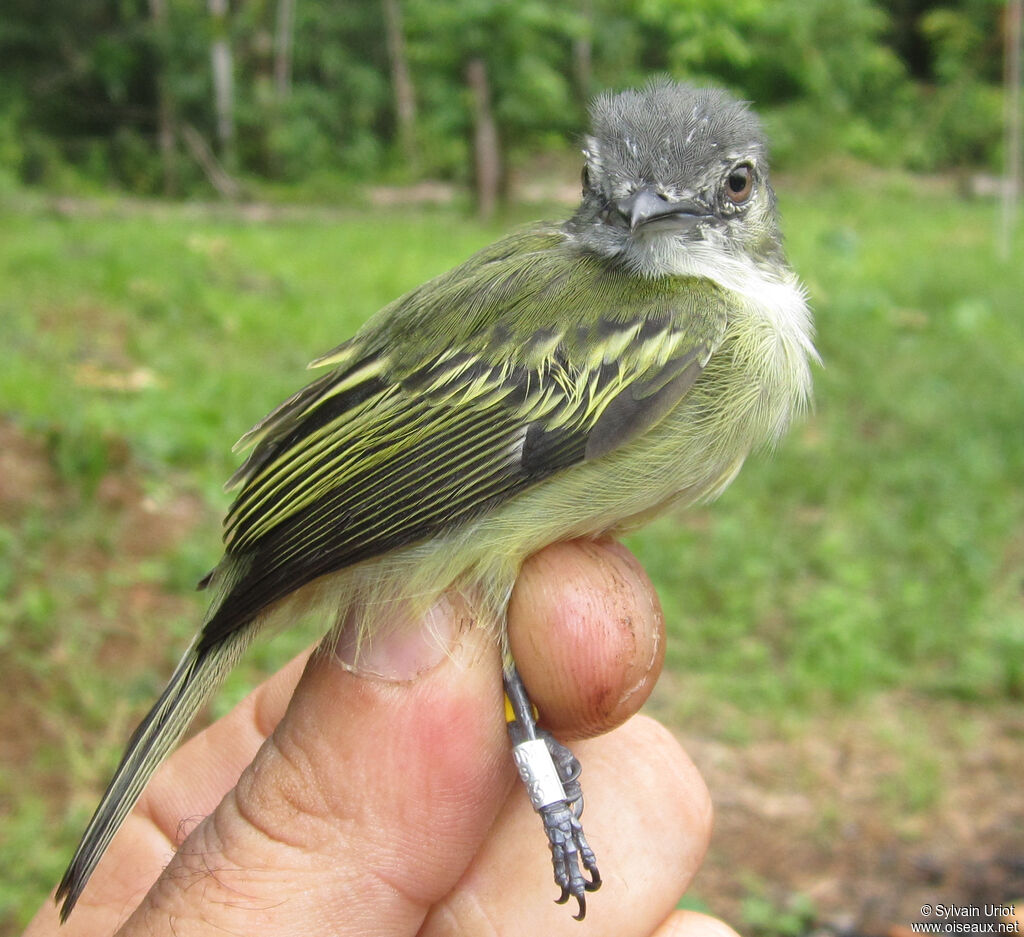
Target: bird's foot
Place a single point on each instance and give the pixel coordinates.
(551, 774)
(571, 855)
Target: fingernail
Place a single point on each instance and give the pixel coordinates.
(405, 647)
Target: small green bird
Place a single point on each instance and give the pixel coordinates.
(568, 381)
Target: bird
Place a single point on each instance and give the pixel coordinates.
(571, 380)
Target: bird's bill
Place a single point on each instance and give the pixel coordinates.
(646, 207)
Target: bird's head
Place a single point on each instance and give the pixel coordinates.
(675, 179)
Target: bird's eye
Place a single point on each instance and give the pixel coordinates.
(585, 177)
(739, 183)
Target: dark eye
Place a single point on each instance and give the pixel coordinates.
(585, 177)
(739, 183)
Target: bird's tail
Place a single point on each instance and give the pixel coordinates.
(198, 674)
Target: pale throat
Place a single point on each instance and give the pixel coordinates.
(771, 288)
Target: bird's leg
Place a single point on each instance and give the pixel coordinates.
(551, 774)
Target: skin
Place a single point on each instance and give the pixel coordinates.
(384, 803)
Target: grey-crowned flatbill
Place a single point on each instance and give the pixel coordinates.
(568, 381)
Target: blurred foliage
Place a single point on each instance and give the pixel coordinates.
(897, 82)
(767, 915)
(527, 49)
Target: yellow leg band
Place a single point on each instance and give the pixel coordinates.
(510, 716)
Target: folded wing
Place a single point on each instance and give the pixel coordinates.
(402, 441)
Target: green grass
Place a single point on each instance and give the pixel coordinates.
(881, 546)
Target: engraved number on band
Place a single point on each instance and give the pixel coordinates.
(538, 772)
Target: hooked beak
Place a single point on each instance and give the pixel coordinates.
(646, 205)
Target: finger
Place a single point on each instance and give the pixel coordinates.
(693, 924)
(362, 809)
(587, 634)
(648, 819)
(195, 778)
(185, 789)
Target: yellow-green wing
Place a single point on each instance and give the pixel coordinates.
(527, 359)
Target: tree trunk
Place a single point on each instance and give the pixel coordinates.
(223, 82)
(582, 53)
(1011, 97)
(284, 42)
(487, 156)
(218, 177)
(164, 105)
(401, 83)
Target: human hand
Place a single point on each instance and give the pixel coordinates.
(338, 803)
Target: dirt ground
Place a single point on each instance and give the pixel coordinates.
(846, 822)
(868, 816)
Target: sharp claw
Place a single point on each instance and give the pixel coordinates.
(564, 897)
(595, 880)
(583, 908)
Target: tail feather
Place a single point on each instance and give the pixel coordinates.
(196, 677)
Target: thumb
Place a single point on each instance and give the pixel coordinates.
(363, 807)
